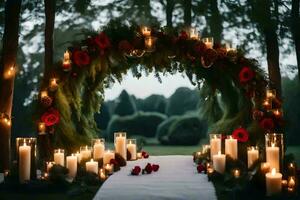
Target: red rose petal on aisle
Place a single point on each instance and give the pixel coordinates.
(136, 170)
(200, 168)
(155, 167)
(148, 169)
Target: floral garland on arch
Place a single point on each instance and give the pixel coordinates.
(76, 84)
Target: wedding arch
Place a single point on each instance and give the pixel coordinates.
(232, 86)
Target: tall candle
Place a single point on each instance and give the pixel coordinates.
(273, 182)
(108, 155)
(120, 144)
(59, 157)
(24, 163)
(131, 147)
(253, 155)
(92, 166)
(78, 155)
(272, 156)
(215, 145)
(72, 165)
(219, 162)
(231, 147)
(98, 150)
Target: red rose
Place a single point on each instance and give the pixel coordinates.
(113, 162)
(200, 168)
(136, 171)
(145, 154)
(240, 134)
(148, 169)
(51, 117)
(81, 58)
(246, 74)
(183, 35)
(267, 123)
(200, 48)
(125, 46)
(155, 167)
(102, 41)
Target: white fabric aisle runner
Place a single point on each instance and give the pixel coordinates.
(176, 179)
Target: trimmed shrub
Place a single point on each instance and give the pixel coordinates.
(125, 105)
(187, 130)
(163, 129)
(183, 100)
(153, 103)
(141, 123)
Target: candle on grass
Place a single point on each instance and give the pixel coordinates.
(72, 165)
(92, 166)
(231, 147)
(253, 155)
(59, 157)
(120, 144)
(273, 182)
(219, 161)
(108, 155)
(131, 147)
(215, 144)
(24, 162)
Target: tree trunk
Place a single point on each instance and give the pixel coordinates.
(49, 29)
(295, 24)
(187, 6)
(8, 60)
(215, 21)
(169, 12)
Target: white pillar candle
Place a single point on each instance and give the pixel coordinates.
(108, 155)
(215, 145)
(273, 182)
(120, 144)
(85, 153)
(132, 149)
(49, 165)
(59, 157)
(92, 166)
(78, 155)
(272, 156)
(219, 161)
(72, 165)
(24, 163)
(98, 151)
(253, 155)
(231, 147)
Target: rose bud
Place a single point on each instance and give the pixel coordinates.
(136, 171)
(200, 168)
(155, 167)
(148, 169)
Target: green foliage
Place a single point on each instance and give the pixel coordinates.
(141, 123)
(291, 94)
(102, 118)
(153, 103)
(187, 130)
(183, 100)
(163, 129)
(125, 105)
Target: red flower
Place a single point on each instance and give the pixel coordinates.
(183, 35)
(155, 167)
(148, 169)
(246, 74)
(125, 46)
(200, 48)
(240, 134)
(51, 117)
(113, 162)
(136, 171)
(267, 123)
(145, 154)
(102, 41)
(81, 58)
(200, 168)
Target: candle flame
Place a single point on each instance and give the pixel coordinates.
(273, 172)
(291, 165)
(272, 144)
(291, 182)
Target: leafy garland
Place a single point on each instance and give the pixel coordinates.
(104, 58)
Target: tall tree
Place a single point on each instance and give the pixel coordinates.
(187, 8)
(215, 21)
(7, 67)
(295, 24)
(169, 12)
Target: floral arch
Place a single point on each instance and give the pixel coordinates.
(76, 85)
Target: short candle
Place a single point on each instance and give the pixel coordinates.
(273, 182)
(215, 144)
(131, 147)
(231, 147)
(253, 155)
(92, 166)
(108, 155)
(72, 165)
(219, 161)
(86, 153)
(98, 148)
(59, 157)
(120, 144)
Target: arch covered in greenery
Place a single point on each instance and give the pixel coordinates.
(232, 86)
